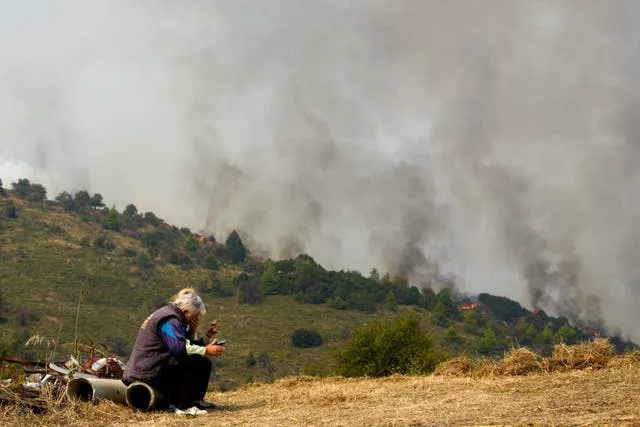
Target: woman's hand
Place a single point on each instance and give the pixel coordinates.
(215, 350)
(193, 326)
(213, 329)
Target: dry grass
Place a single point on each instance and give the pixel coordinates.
(589, 355)
(519, 361)
(578, 385)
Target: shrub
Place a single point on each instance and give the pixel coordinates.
(210, 261)
(10, 210)
(390, 301)
(250, 360)
(129, 252)
(248, 290)
(85, 241)
(102, 241)
(399, 346)
(452, 335)
(488, 343)
(305, 338)
(143, 260)
(113, 221)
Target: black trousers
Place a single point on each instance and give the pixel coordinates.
(184, 380)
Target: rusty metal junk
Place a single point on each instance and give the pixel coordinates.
(95, 376)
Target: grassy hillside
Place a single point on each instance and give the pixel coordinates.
(46, 273)
(71, 259)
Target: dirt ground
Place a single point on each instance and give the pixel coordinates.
(609, 396)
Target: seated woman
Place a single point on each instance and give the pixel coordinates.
(168, 358)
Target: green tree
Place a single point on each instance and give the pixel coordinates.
(151, 219)
(83, 199)
(427, 298)
(269, 278)
(444, 304)
(210, 261)
(67, 201)
(113, 221)
(381, 349)
(374, 275)
(21, 188)
(531, 331)
(390, 301)
(130, 210)
(36, 193)
(440, 314)
(96, 201)
(235, 248)
(544, 337)
(470, 321)
(3, 192)
(566, 334)
(10, 211)
(488, 343)
(191, 244)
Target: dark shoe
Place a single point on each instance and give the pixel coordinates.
(204, 405)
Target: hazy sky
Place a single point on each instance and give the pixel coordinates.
(495, 140)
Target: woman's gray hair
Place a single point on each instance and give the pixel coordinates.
(191, 302)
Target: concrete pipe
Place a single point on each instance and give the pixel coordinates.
(90, 389)
(144, 397)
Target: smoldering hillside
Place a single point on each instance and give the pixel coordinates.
(493, 141)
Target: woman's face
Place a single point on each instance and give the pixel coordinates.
(191, 317)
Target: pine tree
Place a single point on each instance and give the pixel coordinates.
(235, 248)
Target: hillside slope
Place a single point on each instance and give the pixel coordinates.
(48, 277)
(71, 259)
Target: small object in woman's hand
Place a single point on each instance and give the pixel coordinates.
(213, 328)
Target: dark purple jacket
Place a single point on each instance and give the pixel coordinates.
(149, 352)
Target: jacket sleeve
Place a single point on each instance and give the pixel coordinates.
(173, 335)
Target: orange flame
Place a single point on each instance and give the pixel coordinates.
(467, 306)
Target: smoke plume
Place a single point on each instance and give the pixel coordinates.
(494, 141)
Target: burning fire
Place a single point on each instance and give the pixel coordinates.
(537, 310)
(467, 306)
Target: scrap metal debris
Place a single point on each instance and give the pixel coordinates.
(91, 363)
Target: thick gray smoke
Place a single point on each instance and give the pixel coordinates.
(495, 141)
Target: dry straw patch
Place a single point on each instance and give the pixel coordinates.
(589, 355)
(460, 366)
(519, 361)
(625, 361)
